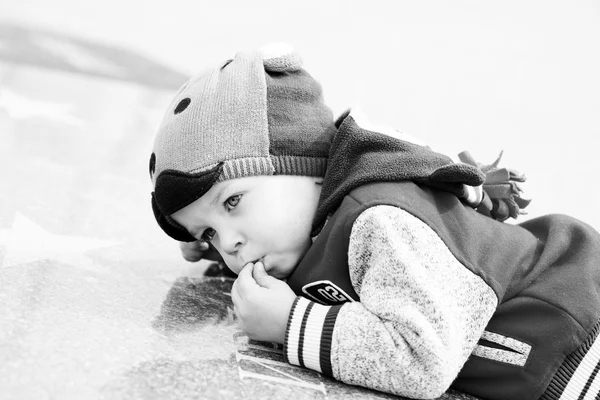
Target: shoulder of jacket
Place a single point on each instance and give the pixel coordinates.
(372, 194)
(389, 193)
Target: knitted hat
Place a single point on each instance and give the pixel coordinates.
(258, 114)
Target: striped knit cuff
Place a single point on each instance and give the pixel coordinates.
(308, 335)
(298, 165)
(579, 375)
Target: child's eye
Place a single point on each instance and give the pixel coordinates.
(233, 201)
(208, 235)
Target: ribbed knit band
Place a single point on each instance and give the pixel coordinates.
(249, 166)
(295, 165)
(309, 335)
(274, 165)
(578, 377)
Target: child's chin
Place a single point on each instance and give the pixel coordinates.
(277, 274)
(281, 267)
(281, 273)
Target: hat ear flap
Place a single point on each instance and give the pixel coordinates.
(175, 189)
(170, 227)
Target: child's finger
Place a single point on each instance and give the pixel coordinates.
(245, 281)
(235, 294)
(191, 253)
(210, 253)
(188, 245)
(260, 275)
(198, 250)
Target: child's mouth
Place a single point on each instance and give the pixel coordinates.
(261, 260)
(269, 269)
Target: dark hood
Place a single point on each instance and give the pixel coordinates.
(359, 156)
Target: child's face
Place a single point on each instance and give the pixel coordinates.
(267, 218)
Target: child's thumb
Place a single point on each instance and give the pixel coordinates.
(261, 277)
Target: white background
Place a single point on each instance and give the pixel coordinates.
(518, 76)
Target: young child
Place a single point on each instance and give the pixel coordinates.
(369, 257)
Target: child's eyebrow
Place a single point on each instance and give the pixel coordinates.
(217, 196)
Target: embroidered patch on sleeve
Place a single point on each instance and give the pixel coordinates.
(503, 349)
(326, 292)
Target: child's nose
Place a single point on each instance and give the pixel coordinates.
(231, 241)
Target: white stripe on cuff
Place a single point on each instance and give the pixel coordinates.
(312, 337)
(594, 389)
(294, 330)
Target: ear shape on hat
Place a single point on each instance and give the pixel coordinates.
(169, 226)
(175, 189)
(280, 57)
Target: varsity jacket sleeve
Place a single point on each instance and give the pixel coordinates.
(420, 315)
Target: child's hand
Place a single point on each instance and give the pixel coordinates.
(198, 250)
(262, 303)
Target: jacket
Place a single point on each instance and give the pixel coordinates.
(408, 290)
